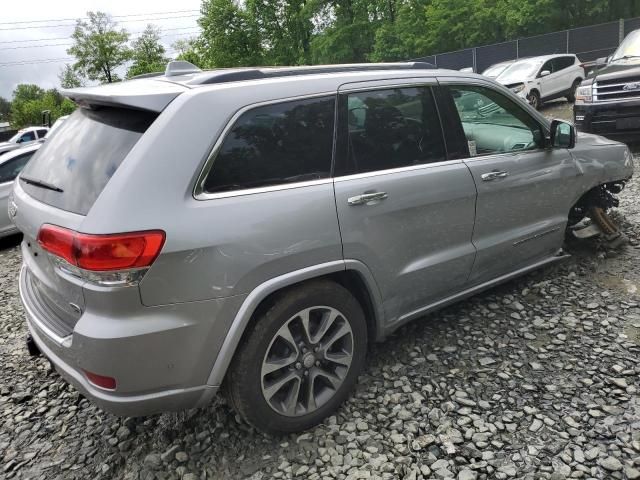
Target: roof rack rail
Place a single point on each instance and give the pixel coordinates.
(236, 75)
(147, 75)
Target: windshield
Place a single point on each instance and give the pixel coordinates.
(519, 71)
(15, 138)
(630, 47)
(495, 70)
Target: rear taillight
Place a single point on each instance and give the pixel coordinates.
(102, 253)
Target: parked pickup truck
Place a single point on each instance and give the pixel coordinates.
(608, 101)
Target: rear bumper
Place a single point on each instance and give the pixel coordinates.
(130, 405)
(160, 358)
(618, 120)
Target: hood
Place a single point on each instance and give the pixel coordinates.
(6, 146)
(615, 70)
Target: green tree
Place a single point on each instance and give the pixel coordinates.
(190, 50)
(147, 53)
(229, 35)
(69, 77)
(29, 101)
(284, 27)
(99, 47)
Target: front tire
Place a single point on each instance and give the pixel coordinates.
(301, 359)
(534, 99)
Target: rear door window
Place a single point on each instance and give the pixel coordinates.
(388, 128)
(275, 144)
(83, 155)
(42, 132)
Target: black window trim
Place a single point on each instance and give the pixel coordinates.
(432, 84)
(198, 191)
(544, 127)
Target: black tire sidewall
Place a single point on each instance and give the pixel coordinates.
(245, 380)
(534, 95)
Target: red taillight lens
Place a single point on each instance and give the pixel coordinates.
(101, 253)
(101, 381)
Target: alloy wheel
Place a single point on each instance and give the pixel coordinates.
(307, 361)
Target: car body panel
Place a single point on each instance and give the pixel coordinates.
(170, 339)
(6, 221)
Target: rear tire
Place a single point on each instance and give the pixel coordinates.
(301, 359)
(571, 98)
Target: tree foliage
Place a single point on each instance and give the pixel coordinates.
(29, 101)
(70, 78)
(278, 32)
(147, 53)
(99, 47)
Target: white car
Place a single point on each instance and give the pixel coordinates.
(496, 69)
(11, 164)
(539, 79)
(24, 137)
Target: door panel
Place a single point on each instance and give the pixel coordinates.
(524, 190)
(416, 241)
(520, 217)
(404, 209)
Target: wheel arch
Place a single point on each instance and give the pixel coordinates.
(351, 274)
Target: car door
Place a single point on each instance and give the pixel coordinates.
(405, 208)
(524, 189)
(549, 85)
(27, 137)
(9, 170)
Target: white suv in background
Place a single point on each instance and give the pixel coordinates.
(539, 79)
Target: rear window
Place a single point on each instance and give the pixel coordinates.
(83, 155)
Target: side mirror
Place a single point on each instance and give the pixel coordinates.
(563, 134)
(544, 73)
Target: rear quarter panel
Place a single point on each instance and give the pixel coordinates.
(219, 247)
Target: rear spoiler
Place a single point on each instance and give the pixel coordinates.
(143, 94)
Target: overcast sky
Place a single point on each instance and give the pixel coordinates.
(32, 25)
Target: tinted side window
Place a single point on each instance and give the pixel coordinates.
(385, 129)
(492, 123)
(11, 168)
(276, 144)
(42, 133)
(561, 63)
(27, 137)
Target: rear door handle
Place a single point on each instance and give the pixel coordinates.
(366, 198)
(488, 177)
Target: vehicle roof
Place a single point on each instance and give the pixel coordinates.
(545, 57)
(30, 129)
(154, 92)
(19, 151)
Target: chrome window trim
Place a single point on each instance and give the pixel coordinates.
(391, 171)
(198, 192)
(413, 82)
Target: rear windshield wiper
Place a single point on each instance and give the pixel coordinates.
(40, 183)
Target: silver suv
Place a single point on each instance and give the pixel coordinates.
(259, 228)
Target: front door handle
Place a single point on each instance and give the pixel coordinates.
(495, 174)
(366, 198)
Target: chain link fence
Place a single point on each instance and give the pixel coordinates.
(588, 43)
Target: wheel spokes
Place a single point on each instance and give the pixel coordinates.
(277, 385)
(307, 361)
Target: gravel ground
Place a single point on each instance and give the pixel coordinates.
(535, 379)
